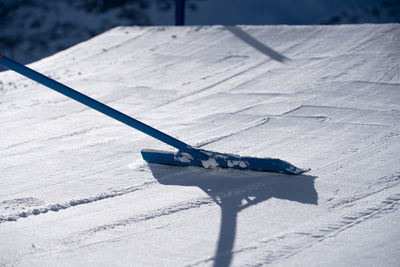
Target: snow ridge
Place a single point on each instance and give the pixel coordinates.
(75, 202)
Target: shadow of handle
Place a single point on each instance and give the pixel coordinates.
(250, 40)
(227, 234)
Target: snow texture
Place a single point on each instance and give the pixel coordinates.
(75, 191)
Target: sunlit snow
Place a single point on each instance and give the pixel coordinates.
(75, 191)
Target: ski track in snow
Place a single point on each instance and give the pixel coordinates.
(284, 246)
(79, 239)
(272, 249)
(368, 151)
(268, 251)
(390, 204)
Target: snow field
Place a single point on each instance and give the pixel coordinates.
(76, 192)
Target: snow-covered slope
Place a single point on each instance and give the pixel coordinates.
(34, 29)
(75, 191)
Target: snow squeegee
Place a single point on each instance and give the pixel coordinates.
(186, 154)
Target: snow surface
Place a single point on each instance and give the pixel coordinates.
(75, 191)
(34, 29)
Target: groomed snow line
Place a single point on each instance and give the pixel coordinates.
(76, 192)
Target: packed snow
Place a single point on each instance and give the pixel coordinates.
(75, 190)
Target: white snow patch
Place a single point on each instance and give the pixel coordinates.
(210, 163)
(184, 157)
(240, 163)
(139, 165)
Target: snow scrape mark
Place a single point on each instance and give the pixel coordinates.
(28, 202)
(167, 210)
(219, 138)
(75, 202)
(142, 217)
(286, 245)
(18, 206)
(383, 183)
(389, 204)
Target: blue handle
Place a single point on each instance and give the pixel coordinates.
(94, 104)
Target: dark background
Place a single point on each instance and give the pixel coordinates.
(33, 29)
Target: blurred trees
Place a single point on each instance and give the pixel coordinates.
(382, 11)
(32, 29)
